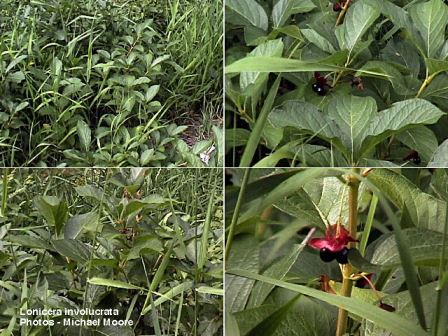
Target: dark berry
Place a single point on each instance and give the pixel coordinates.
(413, 157)
(337, 7)
(326, 255)
(387, 307)
(321, 91)
(416, 159)
(342, 256)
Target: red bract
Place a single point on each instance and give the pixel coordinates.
(335, 239)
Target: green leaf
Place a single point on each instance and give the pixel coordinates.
(16, 77)
(93, 192)
(278, 270)
(144, 245)
(77, 223)
(303, 6)
(149, 202)
(358, 19)
(236, 137)
(424, 246)
(396, 14)
(271, 48)
(30, 241)
(243, 253)
(353, 116)
(425, 210)
(407, 263)
(169, 295)
(141, 80)
(231, 326)
(113, 283)
(115, 331)
(392, 322)
(282, 190)
(246, 11)
(256, 188)
(435, 66)
(157, 279)
(151, 92)
(73, 249)
(390, 73)
(53, 209)
(277, 64)
(421, 139)
(255, 136)
(210, 290)
(84, 133)
(318, 40)
(301, 206)
(282, 10)
(401, 116)
(305, 116)
(404, 307)
(440, 156)
(430, 20)
(269, 325)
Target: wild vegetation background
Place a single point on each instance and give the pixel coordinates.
(147, 242)
(110, 82)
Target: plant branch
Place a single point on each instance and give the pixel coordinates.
(261, 226)
(424, 85)
(342, 13)
(347, 269)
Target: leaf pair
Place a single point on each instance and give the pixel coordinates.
(352, 123)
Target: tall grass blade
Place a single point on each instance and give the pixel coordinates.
(396, 324)
(409, 268)
(255, 135)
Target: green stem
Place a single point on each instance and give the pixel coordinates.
(347, 269)
(426, 82)
(236, 212)
(261, 226)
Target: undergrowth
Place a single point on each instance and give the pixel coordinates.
(107, 83)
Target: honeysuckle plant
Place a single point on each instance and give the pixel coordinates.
(110, 83)
(334, 251)
(336, 83)
(146, 243)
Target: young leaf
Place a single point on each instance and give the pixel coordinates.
(358, 19)
(84, 133)
(246, 12)
(430, 21)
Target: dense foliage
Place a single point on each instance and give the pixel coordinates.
(289, 267)
(110, 83)
(336, 83)
(147, 242)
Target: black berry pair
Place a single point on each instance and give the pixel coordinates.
(321, 86)
(413, 156)
(341, 256)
